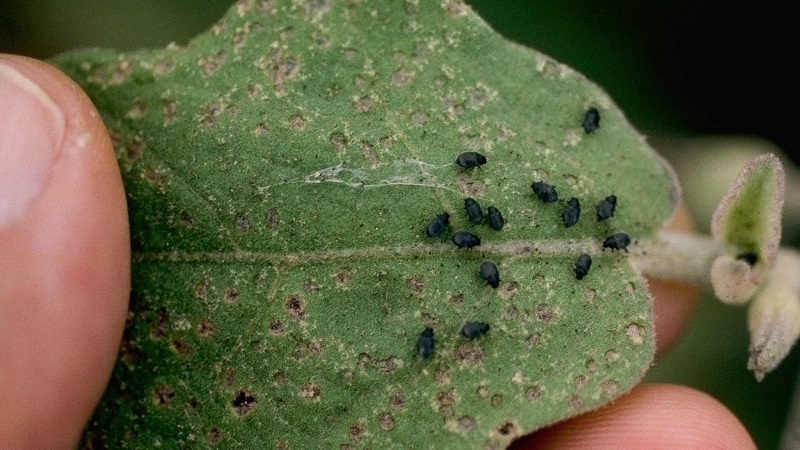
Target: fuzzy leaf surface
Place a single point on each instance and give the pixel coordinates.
(280, 173)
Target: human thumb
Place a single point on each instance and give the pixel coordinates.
(64, 256)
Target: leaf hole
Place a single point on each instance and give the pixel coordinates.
(163, 395)
(243, 403)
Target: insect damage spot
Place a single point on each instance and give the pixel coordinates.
(214, 436)
(231, 295)
(415, 285)
(496, 400)
(338, 141)
(635, 333)
(180, 347)
(357, 432)
(509, 290)
(275, 327)
(397, 401)
(158, 329)
(243, 403)
(402, 77)
(343, 276)
(483, 391)
(610, 387)
(279, 67)
(311, 391)
(445, 398)
(544, 313)
(386, 421)
(533, 340)
(533, 394)
(575, 402)
(592, 365)
(205, 328)
(163, 67)
(296, 306)
(468, 186)
(580, 382)
(242, 223)
(455, 8)
(368, 152)
(363, 104)
(260, 130)
(138, 110)
(388, 365)
(589, 295)
(469, 352)
(612, 356)
(163, 395)
(210, 64)
(507, 430)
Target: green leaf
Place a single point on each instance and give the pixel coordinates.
(748, 219)
(280, 172)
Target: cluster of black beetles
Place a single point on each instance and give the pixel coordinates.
(488, 270)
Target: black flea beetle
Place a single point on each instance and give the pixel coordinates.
(496, 220)
(425, 343)
(591, 120)
(546, 192)
(582, 265)
(605, 209)
(474, 211)
(572, 212)
(436, 226)
(618, 241)
(489, 273)
(468, 160)
(474, 330)
(465, 239)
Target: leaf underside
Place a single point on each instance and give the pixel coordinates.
(280, 171)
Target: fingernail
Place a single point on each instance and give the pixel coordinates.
(31, 129)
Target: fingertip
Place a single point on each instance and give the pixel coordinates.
(64, 261)
(653, 416)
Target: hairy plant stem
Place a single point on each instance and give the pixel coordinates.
(678, 256)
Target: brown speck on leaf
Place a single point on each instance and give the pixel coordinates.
(315, 349)
(357, 432)
(163, 67)
(296, 306)
(368, 152)
(402, 77)
(610, 387)
(154, 177)
(338, 141)
(254, 91)
(279, 67)
(210, 64)
(180, 347)
(343, 276)
(457, 300)
(575, 402)
(212, 111)
(446, 412)
(364, 361)
(242, 222)
(418, 118)
(442, 376)
(455, 8)
(214, 436)
(533, 393)
(138, 110)
(592, 365)
(635, 333)
(533, 340)
(163, 395)
(483, 391)
(397, 401)
(466, 424)
(612, 356)
(275, 327)
(159, 327)
(580, 382)
(273, 219)
(589, 295)
(387, 142)
(168, 110)
(298, 123)
(544, 313)
(469, 352)
(429, 320)
(415, 285)
(311, 391)
(231, 295)
(243, 402)
(122, 71)
(508, 290)
(511, 313)
(201, 290)
(260, 130)
(496, 400)
(229, 377)
(468, 186)
(363, 104)
(387, 365)
(310, 286)
(386, 421)
(446, 398)
(281, 445)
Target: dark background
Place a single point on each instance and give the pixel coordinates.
(677, 68)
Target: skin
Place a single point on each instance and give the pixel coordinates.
(65, 283)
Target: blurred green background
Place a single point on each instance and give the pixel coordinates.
(680, 70)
